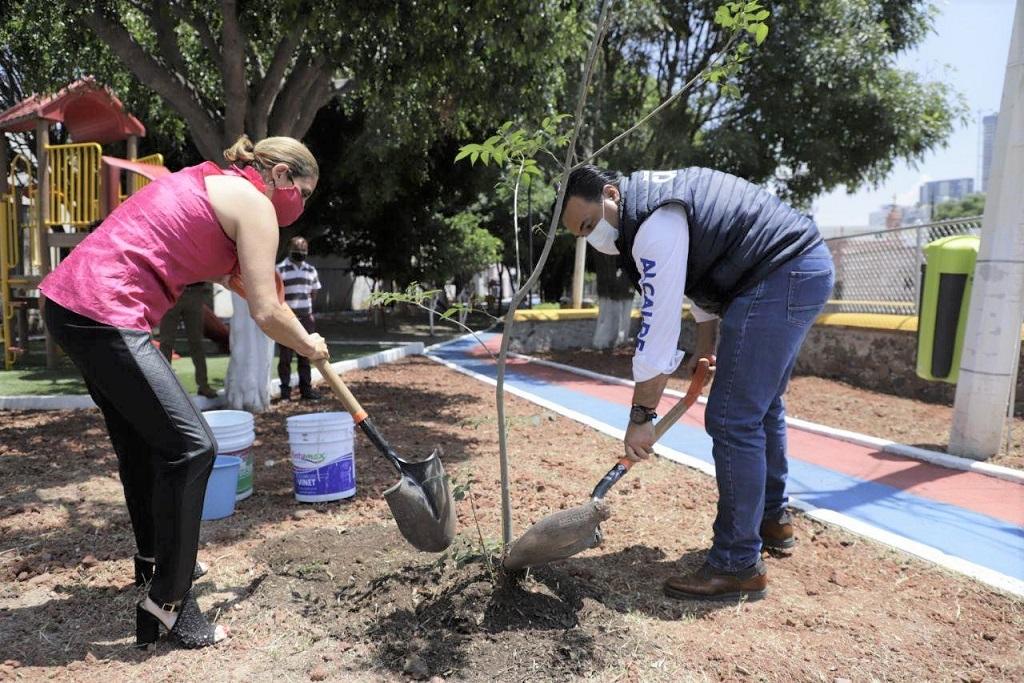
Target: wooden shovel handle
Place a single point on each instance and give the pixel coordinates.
(704, 372)
(340, 390)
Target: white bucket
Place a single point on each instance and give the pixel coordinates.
(235, 434)
(323, 456)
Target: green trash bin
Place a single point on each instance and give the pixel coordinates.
(946, 280)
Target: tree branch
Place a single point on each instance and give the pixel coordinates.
(232, 69)
(166, 40)
(155, 75)
(273, 80)
(288, 104)
(200, 26)
(657, 109)
(319, 94)
(517, 297)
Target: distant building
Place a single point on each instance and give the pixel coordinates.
(892, 216)
(988, 138)
(937, 191)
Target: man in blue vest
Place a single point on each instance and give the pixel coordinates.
(759, 274)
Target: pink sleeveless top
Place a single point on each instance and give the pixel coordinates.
(134, 266)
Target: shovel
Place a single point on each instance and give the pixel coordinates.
(421, 501)
(567, 532)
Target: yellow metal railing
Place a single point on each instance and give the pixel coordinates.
(74, 184)
(138, 181)
(8, 238)
(20, 187)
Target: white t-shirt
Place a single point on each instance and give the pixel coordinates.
(660, 252)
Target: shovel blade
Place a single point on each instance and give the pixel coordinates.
(422, 505)
(559, 536)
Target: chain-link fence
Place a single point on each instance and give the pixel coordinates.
(880, 272)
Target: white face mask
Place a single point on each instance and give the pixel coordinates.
(604, 235)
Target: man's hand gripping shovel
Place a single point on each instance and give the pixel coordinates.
(567, 532)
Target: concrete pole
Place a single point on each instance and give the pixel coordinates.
(992, 336)
(578, 271)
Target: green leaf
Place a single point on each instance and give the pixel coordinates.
(723, 17)
(473, 157)
(761, 16)
(761, 33)
(463, 153)
(485, 156)
(491, 141)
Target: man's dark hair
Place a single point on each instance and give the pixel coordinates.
(587, 182)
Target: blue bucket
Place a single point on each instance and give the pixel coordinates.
(219, 501)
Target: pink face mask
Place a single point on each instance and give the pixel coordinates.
(288, 205)
(287, 201)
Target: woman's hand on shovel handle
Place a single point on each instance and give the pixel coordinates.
(318, 348)
(639, 441)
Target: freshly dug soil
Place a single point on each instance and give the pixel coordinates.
(330, 591)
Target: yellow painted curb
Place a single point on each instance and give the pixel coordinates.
(867, 321)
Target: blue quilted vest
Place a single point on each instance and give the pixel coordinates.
(739, 232)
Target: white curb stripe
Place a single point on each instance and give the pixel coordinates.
(81, 401)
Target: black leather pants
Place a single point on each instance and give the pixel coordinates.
(164, 447)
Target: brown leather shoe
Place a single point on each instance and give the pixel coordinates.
(777, 534)
(708, 583)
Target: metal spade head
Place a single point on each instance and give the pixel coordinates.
(559, 535)
(422, 505)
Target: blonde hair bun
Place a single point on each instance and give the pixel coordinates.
(274, 150)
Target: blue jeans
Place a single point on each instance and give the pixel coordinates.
(761, 334)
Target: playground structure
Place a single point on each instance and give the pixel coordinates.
(50, 203)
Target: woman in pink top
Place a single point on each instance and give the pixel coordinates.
(201, 223)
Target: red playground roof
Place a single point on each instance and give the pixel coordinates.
(89, 111)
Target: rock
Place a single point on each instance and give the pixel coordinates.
(416, 668)
(90, 658)
(22, 576)
(839, 579)
(301, 514)
(790, 622)
(89, 561)
(436, 679)
(318, 673)
(842, 680)
(989, 636)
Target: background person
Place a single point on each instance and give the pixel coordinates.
(201, 223)
(189, 308)
(300, 286)
(746, 257)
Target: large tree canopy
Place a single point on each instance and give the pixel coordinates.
(820, 103)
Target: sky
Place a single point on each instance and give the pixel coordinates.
(968, 49)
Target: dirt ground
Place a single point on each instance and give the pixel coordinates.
(330, 592)
(835, 404)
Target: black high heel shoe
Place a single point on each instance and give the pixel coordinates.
(191, 629)
(144, 571)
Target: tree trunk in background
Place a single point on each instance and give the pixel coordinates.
(247, 385)
(614, 301)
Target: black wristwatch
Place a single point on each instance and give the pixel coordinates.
(639, 414)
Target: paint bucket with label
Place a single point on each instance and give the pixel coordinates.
(323, 456)
(219, 499)
(235, 433)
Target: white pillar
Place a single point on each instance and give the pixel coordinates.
(578, 272)
(992, 337)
